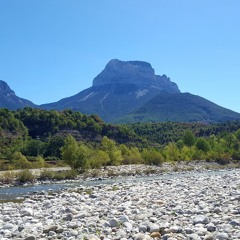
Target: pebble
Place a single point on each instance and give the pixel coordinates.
(202, 205)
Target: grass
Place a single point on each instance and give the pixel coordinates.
(20, 200)
(60, 175)
(27, 176)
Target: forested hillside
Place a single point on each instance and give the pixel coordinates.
(29, 137)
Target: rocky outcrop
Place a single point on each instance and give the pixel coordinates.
(5, 89)
(138, 73)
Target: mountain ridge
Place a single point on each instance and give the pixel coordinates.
(8, 98)
(130, 91)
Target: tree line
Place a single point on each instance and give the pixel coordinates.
(31, 137)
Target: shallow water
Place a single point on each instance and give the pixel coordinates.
(12, 193)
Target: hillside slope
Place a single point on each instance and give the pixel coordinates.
(180, 107)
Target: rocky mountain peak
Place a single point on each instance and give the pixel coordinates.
(5, 89)
(137, 73)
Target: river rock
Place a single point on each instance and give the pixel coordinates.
(47, 229)
(74, 233)
(200, 219)
(30, 238)
(113, 222)
(235, 222)
(142, 228)
(128, 226)
(123, 218)
(141, 236)
(68, 217)
(211, 227)
(175, 229)
(8, 226)
(26, 212)
(152, 227)
(222, 236)
(155, 235)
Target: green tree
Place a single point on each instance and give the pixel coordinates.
(171, 152)
(76, 155)
(152, 157)
(33, 147)
(202, 144)
(237, 134)
(187, 153)
(70, 152)
(53, 146)
(40, 162)
(98, 159)
(189, 138)
(130, 155)
(109, 146)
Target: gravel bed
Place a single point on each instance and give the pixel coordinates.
(202, 206)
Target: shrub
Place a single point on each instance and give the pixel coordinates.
(25, 176)
(40, 162)
(20, 161)
(152, 157)
(61, 175)
(46, 175)
(97, 159)
(7, 177)
(236, 155)
(171, 152)
(70, 174)
(224, 159)
(4, 164)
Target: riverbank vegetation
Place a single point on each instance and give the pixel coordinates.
(35, 138)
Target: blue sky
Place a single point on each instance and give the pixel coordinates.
(51, 49)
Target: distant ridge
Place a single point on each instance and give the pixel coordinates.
(9, 100)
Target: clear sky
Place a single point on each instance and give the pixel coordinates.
(51, 49)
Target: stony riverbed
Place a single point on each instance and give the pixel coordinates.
(202, 206)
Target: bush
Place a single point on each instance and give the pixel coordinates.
(46, 175)
(63, 175)
(40, 162)
(4, 165)
(7, 177)
(25, 176)
(20, 161)
(152, 157)
(236, 155)
(224, 159)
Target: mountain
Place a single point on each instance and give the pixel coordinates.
(130, 91)
(118, 90)
(9, 100)
(180, 107)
